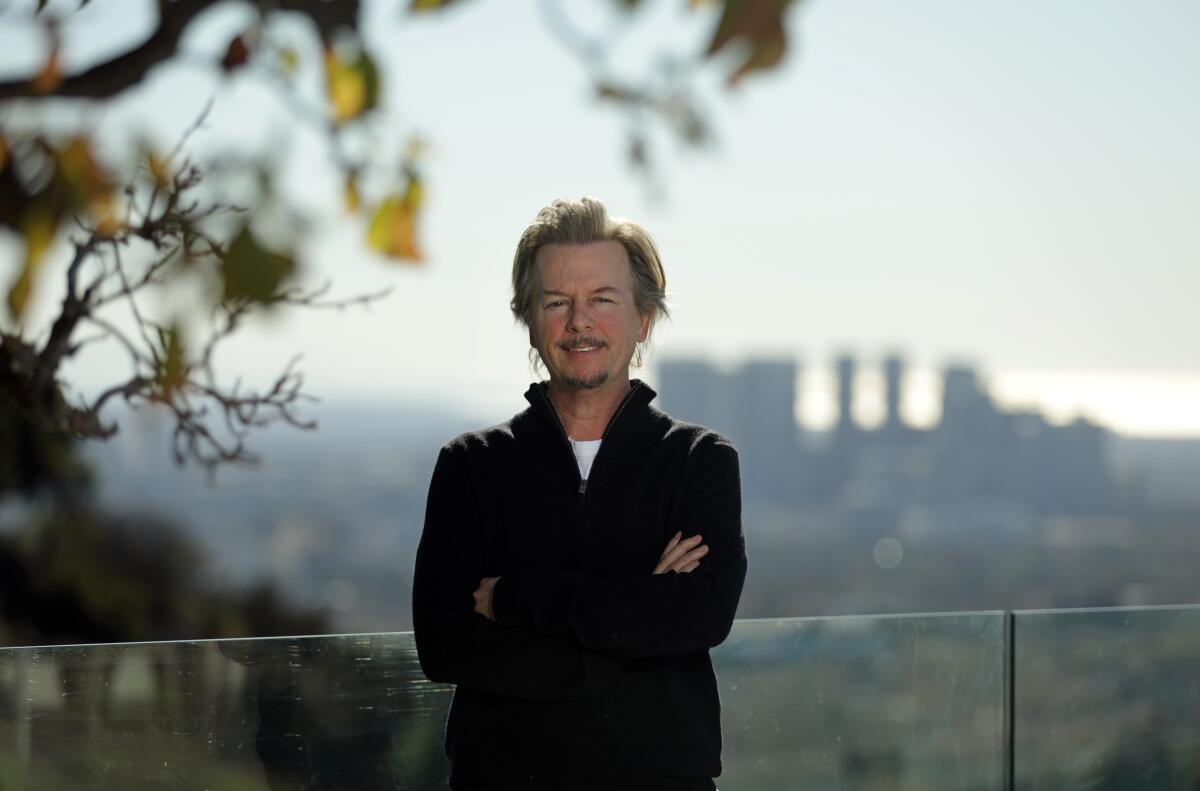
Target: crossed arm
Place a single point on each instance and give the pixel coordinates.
(682, 555)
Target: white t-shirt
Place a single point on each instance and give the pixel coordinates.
(585, 453)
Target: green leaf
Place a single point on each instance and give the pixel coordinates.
(170, 370)
(251, 272)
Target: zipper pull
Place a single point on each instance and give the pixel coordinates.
(583, 486)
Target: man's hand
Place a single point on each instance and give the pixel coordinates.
(680, 555)
(483, 597)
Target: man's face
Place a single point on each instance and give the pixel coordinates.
(586, 325)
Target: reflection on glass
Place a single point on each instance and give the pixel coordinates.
(847, 703)
(863, 703)
(1108, 699)
(317, 713)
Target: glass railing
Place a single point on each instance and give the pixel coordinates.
(1096, 699)
(905, 702)
(1107, 699)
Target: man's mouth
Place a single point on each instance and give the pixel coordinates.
(590, 346)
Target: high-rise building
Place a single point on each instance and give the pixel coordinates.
(845, 365)
(893, 375)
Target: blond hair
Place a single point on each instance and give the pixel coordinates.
(586, 221)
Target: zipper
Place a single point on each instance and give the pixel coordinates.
(581, 489)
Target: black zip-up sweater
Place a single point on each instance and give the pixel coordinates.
(594, 667)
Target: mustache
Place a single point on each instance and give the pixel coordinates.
(580, 343)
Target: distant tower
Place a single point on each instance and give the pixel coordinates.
(845, 376)
(893, 373)
(961, 392)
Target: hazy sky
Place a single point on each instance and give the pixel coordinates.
(1011, 183)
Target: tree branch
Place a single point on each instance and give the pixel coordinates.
(107, 79)
(116, 75)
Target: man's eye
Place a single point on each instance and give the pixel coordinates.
(558, 303)
(603, 299)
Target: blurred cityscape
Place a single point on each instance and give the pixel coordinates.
(985, 509)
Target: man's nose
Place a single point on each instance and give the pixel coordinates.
(580, 319)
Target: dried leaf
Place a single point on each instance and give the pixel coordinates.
(3, 153)
(759, 25)
(160, 170)
(236, 54)
(392, 231)
(350, 192)
(38, 232)
(416, 148)
(105, 215)
(612, 92)
(81, 172)
(251, 272)
(51, 75)
(352, 85)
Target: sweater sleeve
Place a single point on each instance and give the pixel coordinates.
(459, 646)
(639, 616)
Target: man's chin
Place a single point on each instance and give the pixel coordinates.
(586, 382)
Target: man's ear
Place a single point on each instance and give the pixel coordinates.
(647, 319)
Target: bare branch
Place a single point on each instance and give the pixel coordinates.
(134, 386)
(107, 79)
(118, 74)
(312, 299)
(73, 309)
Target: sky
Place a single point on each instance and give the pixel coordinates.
(1014, 185)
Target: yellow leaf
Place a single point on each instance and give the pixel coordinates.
(38, 230)
(392, 231)
(352, 85)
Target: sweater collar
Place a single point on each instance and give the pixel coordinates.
(628, 412)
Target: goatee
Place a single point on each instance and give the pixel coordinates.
(590, 383)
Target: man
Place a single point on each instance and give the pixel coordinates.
(578, 561)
